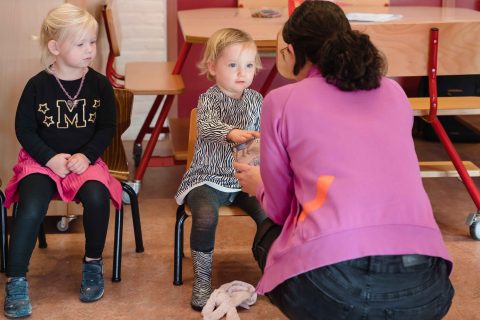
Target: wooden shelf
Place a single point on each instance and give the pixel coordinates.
(439, 169)
(447, 106)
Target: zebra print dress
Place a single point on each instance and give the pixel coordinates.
(217, 115)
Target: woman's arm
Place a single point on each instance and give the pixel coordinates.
(278, 194)
(273, 182)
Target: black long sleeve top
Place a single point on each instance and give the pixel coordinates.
(45, 125)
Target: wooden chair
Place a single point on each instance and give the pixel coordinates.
(179, 138)
(183, 211)
(159, 78)
(116, 160)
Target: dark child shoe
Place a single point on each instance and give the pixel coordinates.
(92, 286)
(17, 302)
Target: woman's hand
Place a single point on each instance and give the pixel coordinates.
(248, 176)
(58, 164)
(242, 136)
(78, 163)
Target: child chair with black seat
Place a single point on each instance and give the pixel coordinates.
(183, 211)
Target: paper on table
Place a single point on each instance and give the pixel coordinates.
(266, 13)
(372, 17)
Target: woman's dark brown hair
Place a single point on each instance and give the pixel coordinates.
(320, 33)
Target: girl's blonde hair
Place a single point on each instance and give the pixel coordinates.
(219, 41)
(64, 22)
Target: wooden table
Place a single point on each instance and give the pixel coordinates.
(404, 42)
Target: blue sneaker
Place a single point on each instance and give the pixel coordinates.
(92, 287)
(17, 302)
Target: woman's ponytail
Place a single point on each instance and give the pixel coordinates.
(349, 61)
(320, 33)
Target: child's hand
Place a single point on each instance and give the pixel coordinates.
(58, 164)
(241, 136)
(78, 163)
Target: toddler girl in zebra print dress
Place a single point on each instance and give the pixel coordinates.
(228, 113)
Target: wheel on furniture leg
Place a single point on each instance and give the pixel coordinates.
(62, 224)
(475, 231)
(472, 221)
(135, 185)
(137, 154)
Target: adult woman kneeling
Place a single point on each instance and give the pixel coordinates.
(351, 232)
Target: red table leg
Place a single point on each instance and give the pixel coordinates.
(457, 162)
(147, 159)
(147, 155)
(437, 126)
(148, 120)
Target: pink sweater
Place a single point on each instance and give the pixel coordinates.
(341, 175)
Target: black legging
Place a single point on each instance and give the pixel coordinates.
(204, 202)
(35, 193)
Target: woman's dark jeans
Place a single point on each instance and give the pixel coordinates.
(377, 287)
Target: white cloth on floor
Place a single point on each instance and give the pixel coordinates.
(225, 300)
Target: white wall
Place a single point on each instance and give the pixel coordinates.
(143, 25)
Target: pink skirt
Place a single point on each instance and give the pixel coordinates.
(67, 187)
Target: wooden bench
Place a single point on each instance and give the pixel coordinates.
(439, 169)
(446, 106)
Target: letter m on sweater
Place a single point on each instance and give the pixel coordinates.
(71, 116)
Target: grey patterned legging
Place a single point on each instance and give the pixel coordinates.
(204, 202)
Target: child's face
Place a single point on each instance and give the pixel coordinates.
(234, 69)
(76, 52)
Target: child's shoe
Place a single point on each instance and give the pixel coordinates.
(17, 302)
(92, 287)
